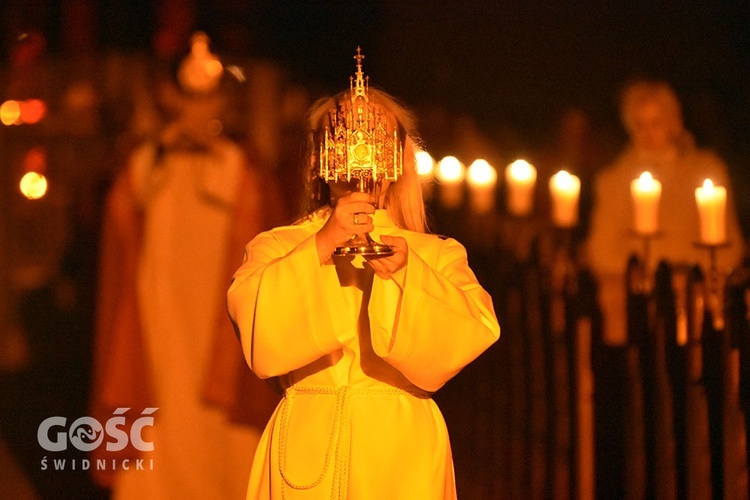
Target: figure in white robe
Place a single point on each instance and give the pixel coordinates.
(359, 357)
(186, 200)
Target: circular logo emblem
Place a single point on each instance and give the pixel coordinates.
(86, 433)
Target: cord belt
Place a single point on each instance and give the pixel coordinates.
(340, 436)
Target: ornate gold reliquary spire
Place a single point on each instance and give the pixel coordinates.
(361, 141)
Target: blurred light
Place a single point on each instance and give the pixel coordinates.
(563, 181)
(521, 170)
(482, 179)
(33, 185)
(33, 110)
(237, 72)
(564, 190)
(425, 163)
(201, 70)
(520, 178)
(646, 181)
(213, 68)
(35, 160)
(10, 113)
(482, 173)
(450, 170)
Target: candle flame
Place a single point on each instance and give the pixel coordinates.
(563, 180)
(482, 173)
(646, 182)
(708, 185)
(521, 170)
(425, 163)
(450, 170)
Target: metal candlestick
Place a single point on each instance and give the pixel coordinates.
(647, 281)
(715, 295)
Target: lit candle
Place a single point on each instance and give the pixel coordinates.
(482, 178)
(564, 189)
(521, 178)
(425, 164)
(646, 192)
(425, 169)
(712, 202)
(450, 174)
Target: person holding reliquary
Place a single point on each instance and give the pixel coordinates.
(660, 144)
(358, 334)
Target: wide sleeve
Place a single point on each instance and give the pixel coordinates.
(430, 322)
(283, 304)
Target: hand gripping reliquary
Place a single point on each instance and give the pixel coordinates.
(362, 144)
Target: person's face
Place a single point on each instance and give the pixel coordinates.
(652, 129)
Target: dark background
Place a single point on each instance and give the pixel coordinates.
(504, 63)
(511, 67)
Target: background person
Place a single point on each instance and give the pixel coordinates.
(660, 144)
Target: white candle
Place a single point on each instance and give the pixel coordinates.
(712, 202)
(565, 190)
(646, 192)
(520, 177)
(425, 164)
(425, 169)
(450, 174)
(482, 178)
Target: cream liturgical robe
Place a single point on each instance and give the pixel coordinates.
(358, 357)
(186, 200)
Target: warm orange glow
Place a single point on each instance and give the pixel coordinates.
(35, 160)
(646, 192)
(565, 189)
(425, 163)
(712, 202)
(646, 182)
(521, 171)
(33, 185)
(450, 175)
(450, 170)
(32, 111)
(201, 70)
(482, 178)
(563, 181)
(520, 177)
(482, 173)
(10, 113)
(213, 68)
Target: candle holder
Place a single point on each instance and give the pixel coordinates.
(518, 232)
(715, 295)
(646, 239)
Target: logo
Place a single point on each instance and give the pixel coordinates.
(87, 433)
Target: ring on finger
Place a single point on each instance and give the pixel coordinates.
(356, 220)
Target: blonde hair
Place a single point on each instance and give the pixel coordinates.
(642, 91)
(404, 201)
